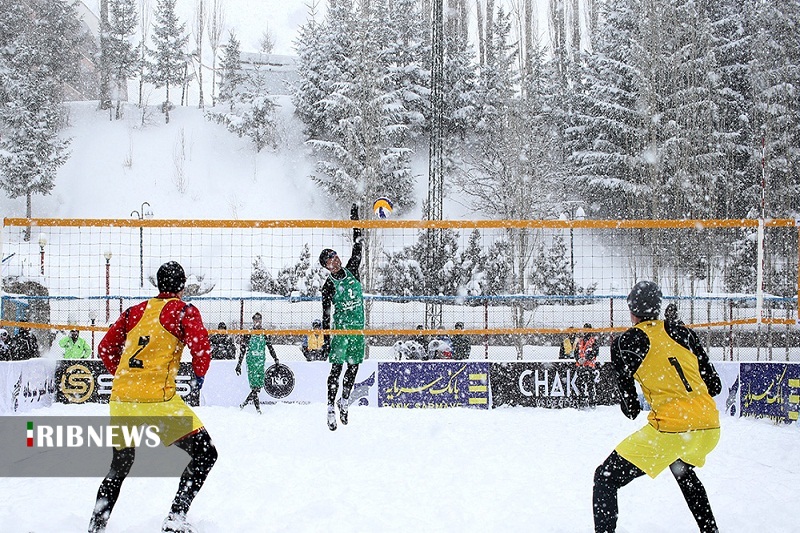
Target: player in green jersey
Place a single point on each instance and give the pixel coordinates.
(342, 291)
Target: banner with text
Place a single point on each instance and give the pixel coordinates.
(770, 390)
(433, 385)
(295, 382)
(88, 381)
(26, 385)
(553, 385)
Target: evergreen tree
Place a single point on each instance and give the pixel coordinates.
(231, 76)
(251, 111)
(169, 57)
(121, 55)
(44, 34)
(363, 152)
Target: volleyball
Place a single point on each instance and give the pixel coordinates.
(383, 207)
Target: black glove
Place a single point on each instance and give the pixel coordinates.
(354, 212)
(239, 370)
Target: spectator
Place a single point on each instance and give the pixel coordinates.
(586, 352)
(461, 344)
(567, 345)
(74, 346)
(440, 348)
(313, 343)
(23, 345)
(5, 339)
(671, 314)
(222, 344)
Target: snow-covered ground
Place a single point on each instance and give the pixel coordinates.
(395, 470)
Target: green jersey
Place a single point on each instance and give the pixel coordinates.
(348, 302)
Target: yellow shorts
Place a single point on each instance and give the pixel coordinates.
(653, 451)
(174, 418)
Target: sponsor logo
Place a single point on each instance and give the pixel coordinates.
(77, 383)
(433, 385)
(279, 381)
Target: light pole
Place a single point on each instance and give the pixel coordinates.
(574, 212)
(141, 215)
(92, 318)
(42, 244)
(107, 255)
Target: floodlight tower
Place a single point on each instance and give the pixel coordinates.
(433, 310)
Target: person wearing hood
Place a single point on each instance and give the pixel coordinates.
(74, 346)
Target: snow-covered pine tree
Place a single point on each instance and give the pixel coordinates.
(311, 62)
(231, 74)
(362, 151)
(607, 139)
(552, 272)
(776, 111)
(250, 109)
(46, 34)
(121, 54)
(169, 57)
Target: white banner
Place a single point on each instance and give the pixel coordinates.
(26, 385)
(223, 387)
(728, 399)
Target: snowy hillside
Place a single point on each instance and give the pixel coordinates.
(189, 168)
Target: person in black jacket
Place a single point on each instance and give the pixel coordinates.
(678, 382)
(23, 345)
(222, 344)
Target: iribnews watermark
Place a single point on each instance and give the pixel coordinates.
(71, 446)
(76, 436)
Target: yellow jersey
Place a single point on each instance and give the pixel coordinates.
(150, 360)
(671, 383)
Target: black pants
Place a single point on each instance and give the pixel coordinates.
(616, 472)
(203, 456)
(347, 383)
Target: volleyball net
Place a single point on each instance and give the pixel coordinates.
(517, 286)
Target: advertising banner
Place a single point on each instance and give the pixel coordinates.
(434, 385)
(770, 390)
(553, 385)
(26, 385)
(294, 382)
(84, 381)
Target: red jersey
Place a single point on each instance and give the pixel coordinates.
(178, 321)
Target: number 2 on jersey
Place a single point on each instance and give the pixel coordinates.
(138, 363)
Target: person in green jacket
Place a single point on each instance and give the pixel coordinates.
(74, 346)
(255, 347)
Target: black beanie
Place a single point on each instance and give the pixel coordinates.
(644, 300)
(324, 255)
(171, 277)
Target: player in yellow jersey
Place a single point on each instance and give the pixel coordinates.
(678, 382)
(142, 350)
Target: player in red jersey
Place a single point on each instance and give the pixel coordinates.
(142, 350)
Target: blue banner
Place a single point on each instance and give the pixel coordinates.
(433, 385)
(770, 390)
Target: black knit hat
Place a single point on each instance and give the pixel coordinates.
(171, 277)
(326, 254)
(644, 300)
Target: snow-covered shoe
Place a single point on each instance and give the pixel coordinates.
(343, 405)
(176, 523)
(331, 418)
